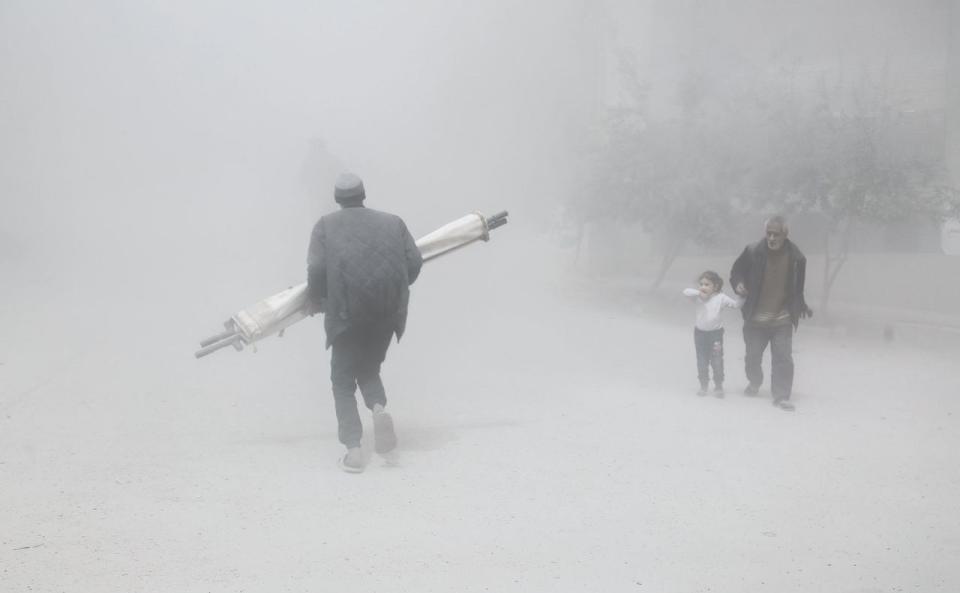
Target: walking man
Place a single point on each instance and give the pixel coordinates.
(360, 265)
(770, 274)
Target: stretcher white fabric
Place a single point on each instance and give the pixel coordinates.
(277, 312)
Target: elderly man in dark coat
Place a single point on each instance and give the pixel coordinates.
(360, 265)
(770, 274)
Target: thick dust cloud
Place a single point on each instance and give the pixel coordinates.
(162, 165)
(152, 131)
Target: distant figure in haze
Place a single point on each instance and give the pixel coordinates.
(708, 330)
(770, 275)
(319, 169)
(360, 265)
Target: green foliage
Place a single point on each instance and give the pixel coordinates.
(853, 156)
(677, 177)
(849, 155)
(869, 162)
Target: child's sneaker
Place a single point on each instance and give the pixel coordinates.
(784, 404)
(751, 389)
(703, 389)
(718, 391)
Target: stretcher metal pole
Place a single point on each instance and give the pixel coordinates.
(274, 314)
(232, 339)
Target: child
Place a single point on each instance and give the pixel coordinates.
(708, 331)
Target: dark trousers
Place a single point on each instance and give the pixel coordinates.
(355, 359)
(780, 338)
(709, 345)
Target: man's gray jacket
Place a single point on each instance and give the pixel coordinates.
(360, 265)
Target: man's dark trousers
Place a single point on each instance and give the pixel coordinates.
(709, 346)
(355, 359)
(780, 337)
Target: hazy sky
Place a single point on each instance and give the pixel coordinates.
(127, 120)
(146, 126)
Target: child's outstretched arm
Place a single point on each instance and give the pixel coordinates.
(691, 293)
(734, 303)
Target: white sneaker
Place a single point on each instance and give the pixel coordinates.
(784, 404)
(384, 437)
(352, 461)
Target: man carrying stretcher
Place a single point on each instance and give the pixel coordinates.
(360, 265)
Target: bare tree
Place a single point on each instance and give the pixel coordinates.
(678, 177)
(855, 157)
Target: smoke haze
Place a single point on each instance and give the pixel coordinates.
(162, 165)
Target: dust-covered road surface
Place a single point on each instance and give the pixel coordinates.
(547, 443)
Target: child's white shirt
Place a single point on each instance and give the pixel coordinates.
(709, 311)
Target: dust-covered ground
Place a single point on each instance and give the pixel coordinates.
(548, 442)
(160, 167)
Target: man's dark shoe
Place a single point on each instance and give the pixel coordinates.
(718, 391)
(384, 437)
(784, 404)
(751, 389)
(703, 389)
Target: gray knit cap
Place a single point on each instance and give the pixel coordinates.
(348, 188)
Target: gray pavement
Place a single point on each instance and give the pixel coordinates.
(550, 441)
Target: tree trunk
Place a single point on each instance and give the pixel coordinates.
(671, 250)
(833, 260)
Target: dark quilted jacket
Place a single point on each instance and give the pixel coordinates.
(360, 265)
(749, 268)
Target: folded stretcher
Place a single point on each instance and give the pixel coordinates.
(277, 312)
